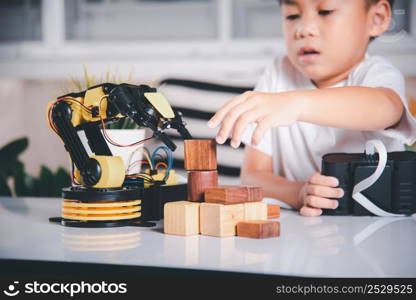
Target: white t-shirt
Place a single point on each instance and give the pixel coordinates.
(297, 150)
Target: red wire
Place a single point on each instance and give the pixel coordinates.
(120, 145)
(144, 162)
(75, 100)
(109, 139)
(52, 124)
(60, 99)
(50, 117)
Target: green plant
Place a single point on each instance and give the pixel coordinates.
(47, 184)
(9, 163)
(123, 124)
(89, 81)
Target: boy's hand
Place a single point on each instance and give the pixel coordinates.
(266, 109)
(315, 193)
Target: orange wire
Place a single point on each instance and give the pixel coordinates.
(161, 163)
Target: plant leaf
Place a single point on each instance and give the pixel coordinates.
(4, 188)
(46, 182)
(21, 180)
(62, 179)
(130, 76)
(13, 149)
(76, 83)
(9, 155)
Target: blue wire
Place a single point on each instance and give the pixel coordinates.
(169, 158)
(134, 181)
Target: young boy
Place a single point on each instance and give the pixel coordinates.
(327, 95)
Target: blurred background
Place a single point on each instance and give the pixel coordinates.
(175, 45)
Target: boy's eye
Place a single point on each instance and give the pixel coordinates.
(325, 12)
(292, 17)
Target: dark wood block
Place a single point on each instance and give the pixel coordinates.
(255, 194)
(258, 229)
(198, 181)
(200, 155)
(233, 194)
(273, 211)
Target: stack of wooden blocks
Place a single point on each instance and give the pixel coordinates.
(217, 210)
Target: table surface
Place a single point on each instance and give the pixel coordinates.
(326, 246)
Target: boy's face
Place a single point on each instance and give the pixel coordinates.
(326, 38)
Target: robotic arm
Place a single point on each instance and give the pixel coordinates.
(155, 113)
(104, 103)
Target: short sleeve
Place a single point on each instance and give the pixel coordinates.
(383, 74)
(265, 145)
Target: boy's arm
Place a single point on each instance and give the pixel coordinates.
(257, 170)
(354, 108)
(309, 197)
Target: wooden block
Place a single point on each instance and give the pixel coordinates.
(273, 211)
(200, 155)
(181, 218)
(233, 194)
(198, 181)
(255, 211)
(258, 229)
(220, 220)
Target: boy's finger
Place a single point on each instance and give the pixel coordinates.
(320, 179)
(241, 125)
(260, 130)
(310, 211)
(324, 191)
(230, 118)
(219, 116)
(320, 202)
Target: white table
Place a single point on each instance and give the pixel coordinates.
(327, 246)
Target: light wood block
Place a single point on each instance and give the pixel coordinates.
(200, 155)
(220, 220)
(273, 211)
(258, 229)
(198, 181)
(227, 194)
(181, 218)
(255, 211)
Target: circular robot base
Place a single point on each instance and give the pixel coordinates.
(95, 208)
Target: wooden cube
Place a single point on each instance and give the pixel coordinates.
(233, 194)
(198, 181)
(200, 155)
(273, 211)
(181, 218)
(258, 229)
(255, 211)
(220, 220)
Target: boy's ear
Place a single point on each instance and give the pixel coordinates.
(379, 18)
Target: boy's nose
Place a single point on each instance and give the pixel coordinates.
(306, 29)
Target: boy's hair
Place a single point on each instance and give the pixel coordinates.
(368, 3)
